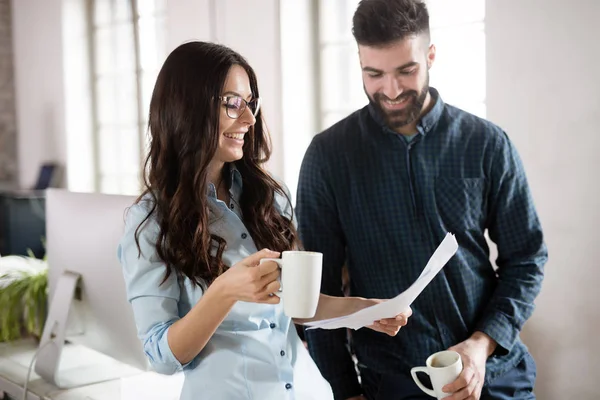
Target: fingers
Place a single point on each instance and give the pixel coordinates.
(391, 326)
(265, 295)
(387, 329)
(478, 389)
(254, 259)
(263, 283)
(398, 321)
(271, 287)
(268, 278)
(267, 267)
(268, 285)
(467, 393)
(268, 299)
(463, 386)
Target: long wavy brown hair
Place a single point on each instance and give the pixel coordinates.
(184, 136)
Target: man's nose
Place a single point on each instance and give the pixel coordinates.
(392, 88)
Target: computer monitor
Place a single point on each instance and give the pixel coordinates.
(85, 277)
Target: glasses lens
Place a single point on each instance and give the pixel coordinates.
(235, 106)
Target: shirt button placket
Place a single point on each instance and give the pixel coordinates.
(284, 363)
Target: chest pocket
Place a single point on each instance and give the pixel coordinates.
(461, 203)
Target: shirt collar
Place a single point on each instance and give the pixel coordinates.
(234, 182)
(427, 121)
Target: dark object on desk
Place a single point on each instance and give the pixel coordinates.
(22, 222)
(47, 177)
(23, 214)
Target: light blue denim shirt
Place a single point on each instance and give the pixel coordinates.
(254, 354)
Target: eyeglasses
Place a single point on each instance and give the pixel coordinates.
(235, 106)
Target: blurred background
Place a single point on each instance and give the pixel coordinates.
(76, 77)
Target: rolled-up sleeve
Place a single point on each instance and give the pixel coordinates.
(516, 230)
(155, 305)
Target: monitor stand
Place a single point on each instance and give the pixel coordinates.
(68, 365)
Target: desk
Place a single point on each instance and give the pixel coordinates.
(137, 385)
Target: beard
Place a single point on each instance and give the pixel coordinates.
(395, 119)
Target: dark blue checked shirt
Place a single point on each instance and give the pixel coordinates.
(381, 204)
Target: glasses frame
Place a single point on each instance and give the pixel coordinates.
(246, 105)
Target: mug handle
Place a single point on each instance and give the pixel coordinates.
(413, 372)
(279, 262)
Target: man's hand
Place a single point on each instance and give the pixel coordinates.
(391, 326)
(474, 353)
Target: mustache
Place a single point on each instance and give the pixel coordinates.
(381, 96)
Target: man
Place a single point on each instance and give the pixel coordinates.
(379, 190)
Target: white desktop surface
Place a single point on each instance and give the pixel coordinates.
(136, 384)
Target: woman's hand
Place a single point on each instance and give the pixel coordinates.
(250, 281)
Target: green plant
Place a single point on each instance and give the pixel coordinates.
(23, 296)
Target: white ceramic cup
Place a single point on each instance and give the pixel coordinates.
(443, 368)
(300, 282)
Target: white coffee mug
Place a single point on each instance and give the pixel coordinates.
(443, 368)
(300, 282)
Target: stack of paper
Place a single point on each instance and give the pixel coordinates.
(400, 303)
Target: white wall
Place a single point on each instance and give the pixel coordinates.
(38, 67)
(543, 89)
(189, 20)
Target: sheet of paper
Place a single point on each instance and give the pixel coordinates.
(393, 307)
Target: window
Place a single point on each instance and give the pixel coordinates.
(457, 30)
(341, 78)
(127, 49)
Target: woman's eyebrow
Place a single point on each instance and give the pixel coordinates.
(231, 92)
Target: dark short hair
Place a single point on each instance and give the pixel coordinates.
(380, 22)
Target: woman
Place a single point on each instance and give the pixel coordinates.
(189, 253)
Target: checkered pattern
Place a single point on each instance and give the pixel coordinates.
(380, 204)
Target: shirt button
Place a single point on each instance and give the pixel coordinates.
(272, 326)
(288, 386)
(232, 206)
(282, 353)
(244, 235)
